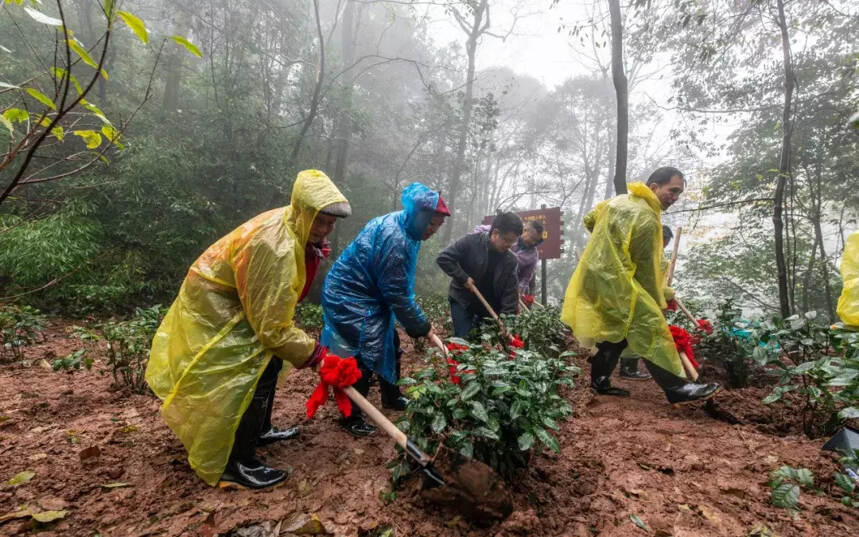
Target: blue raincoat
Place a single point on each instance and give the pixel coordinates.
(372, 283)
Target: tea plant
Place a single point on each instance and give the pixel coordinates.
(540, 328)
(73, 361)
(785, 486)
(848, 482)
(728, 347)
(499, 411)
(20, 326)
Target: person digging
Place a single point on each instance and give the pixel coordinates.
(216, 356)
(370, 286)
(628, 361)
(616, 296)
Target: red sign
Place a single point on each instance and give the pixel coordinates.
(552, 230)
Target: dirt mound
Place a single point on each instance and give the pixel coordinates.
(108, 460)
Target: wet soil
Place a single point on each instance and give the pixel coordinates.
(106, 457)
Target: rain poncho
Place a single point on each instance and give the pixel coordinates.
(848, 303)
(616, 291)
(373, 282)
(233, 313)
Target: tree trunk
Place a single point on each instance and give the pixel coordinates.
(784, 165)
(622, 94)
(343, 126)
(314, 103)
(477, 28)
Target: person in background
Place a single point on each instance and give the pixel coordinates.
(482, 261)
(216, 355)
(628, 361)
(527, 258)
(616, 294)
(370, 286)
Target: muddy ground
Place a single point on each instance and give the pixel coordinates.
(107, 459)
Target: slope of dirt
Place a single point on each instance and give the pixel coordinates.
(681, 472)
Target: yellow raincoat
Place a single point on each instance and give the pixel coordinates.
(616, 291)
(848, 303)
(234, 313)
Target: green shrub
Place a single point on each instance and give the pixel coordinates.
(540, 328)
(309, 316)
(726, 348)
(501, 410)
(785, 486)
(20, 326)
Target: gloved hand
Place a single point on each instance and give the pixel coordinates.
(319, 352)
(668, 293)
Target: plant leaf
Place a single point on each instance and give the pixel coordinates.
(8, 124)
(547, 439)
(115, 485)
(75, 45)
(470, 391)
(42, 98)
(526, 440)
(38, 16)
(638, 522)
(16, 114)
(21, 478)
(192, 48)
(479, 411)
(90, 137)
(136, 25)
(785, 495)
(439, 422)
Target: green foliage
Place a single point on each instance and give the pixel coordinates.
(74, 361)
(499, 413)
(726, 348)
(20, 326)
(309, 316)
(436, 308)
(785, 486)
(847, 482)
(540, 328)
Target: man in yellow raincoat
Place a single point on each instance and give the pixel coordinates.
(216, 356)
(616, 295)
(848, 303)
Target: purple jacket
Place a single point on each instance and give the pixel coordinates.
(526, 261)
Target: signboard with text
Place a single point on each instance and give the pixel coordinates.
(552, 229)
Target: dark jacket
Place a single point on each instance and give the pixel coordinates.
(468, 257)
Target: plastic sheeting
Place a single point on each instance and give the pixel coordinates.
(372, 283)
(848, 302)
(233, 313)
(617, 291)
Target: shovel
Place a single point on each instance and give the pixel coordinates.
(469, 486)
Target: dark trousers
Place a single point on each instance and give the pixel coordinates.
(607, 356)
(257, 417)
(389, 391)
(463, 319)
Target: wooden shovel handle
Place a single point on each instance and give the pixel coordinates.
(491, 311)
(670, 275)
(687, 365)
(438, 343)
(377, 417)
(686, 312)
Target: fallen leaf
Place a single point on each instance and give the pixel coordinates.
(116, 485)
(49, 516)
(21, 478)
(638, 522)
(45, 365)
(25, 512)
(38, 456)
(4, 418)
(453, 522)
(128, 429)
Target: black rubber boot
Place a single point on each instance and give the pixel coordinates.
(602, 366)
(244, 470)
(629, 370)
(678, 390)
(355, 423)
(392, 397)
(270, 434)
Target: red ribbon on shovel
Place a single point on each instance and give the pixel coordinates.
(338, 373)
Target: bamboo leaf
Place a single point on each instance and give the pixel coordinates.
(21, 478)
(38, 16)
(49, 516)
(192, 48)
(135, 24)
(42, 98)
(76, 46)
(8, 124)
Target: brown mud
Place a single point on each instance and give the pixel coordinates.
(106, 457)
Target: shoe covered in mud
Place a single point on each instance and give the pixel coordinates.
(629, 370)
(273, 434)
(250, 474)
(691, 392)
(603, 386)
(356, 426)
(396, 403)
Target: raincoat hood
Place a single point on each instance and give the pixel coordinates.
(311, 192)
(640, 190)
(419, 205)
